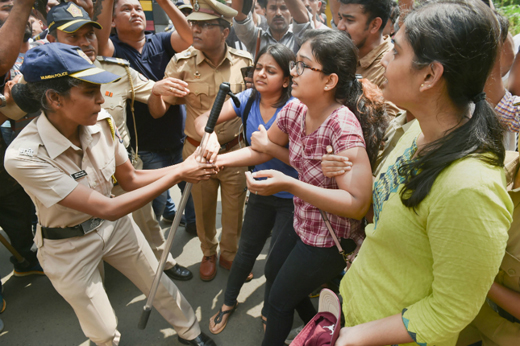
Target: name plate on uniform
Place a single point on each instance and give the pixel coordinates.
(78, 175)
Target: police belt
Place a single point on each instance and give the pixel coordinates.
(70, 232)
(223, 147)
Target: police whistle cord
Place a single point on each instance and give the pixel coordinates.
(210, 125)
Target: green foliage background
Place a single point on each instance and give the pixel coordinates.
(511, 9)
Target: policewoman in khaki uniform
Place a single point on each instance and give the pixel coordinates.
(66, 160)
(200, 70)
(70, 24)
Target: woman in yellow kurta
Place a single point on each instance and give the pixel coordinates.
(441, 210)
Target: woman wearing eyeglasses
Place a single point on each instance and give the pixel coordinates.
(336, 109)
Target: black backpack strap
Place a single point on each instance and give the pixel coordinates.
(245, 115)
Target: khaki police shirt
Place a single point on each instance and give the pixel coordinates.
(116, 94)
(49, 167)
(370, 67)
(204, 81)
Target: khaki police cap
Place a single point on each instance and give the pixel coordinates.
(211, 9)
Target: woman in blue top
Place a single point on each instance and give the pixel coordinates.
(264, 213)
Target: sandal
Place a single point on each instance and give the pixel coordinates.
(264, 321)
(219, 319)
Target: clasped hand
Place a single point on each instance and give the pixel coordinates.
(195, 171)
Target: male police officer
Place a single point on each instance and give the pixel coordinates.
(200, 70)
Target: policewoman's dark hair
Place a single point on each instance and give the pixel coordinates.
(337, 54)
(464, 37)
(32, 97)
(283, 56)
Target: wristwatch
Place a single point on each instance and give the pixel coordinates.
(3, 101)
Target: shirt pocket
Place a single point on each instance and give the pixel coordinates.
(200, 96)
(236, 87)
(116, 107)
(107, 172)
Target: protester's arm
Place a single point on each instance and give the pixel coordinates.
(238, 5)
(352, 198)
(260, 142)
(12, 34)
(298, 11)
(386, 331)
(246, 31)
(103, 15)
(182, 37)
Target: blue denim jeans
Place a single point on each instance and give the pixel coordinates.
(164, 202)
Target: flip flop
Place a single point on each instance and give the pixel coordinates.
(219, 318)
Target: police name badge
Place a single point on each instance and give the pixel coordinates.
(78, 175)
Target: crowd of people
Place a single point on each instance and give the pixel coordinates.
(379, 146)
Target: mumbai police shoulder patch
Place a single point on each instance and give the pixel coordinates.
(111, 60)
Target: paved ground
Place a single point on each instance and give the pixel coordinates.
(37, 316)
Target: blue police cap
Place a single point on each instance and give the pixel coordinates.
(69, 17)
(56, 60)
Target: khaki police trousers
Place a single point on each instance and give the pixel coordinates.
(232, 183)
(72, 265)
(145, 219)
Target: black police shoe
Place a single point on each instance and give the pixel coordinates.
(201, 340)
(180, 273)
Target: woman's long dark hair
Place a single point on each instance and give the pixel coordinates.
(337, 54)
(464, 37)
(283, 56)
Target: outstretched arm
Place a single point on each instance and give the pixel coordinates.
(144, 186)
(103, 11)
(248, 156)
(182, 38)
(12, 32)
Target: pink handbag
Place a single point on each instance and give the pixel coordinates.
(323, 329)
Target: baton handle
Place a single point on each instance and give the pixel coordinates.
(217, 107)
(144, 317)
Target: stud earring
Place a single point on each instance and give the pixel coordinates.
(422, 85)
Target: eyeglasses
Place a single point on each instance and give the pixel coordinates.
(301, 66)
(202, 25)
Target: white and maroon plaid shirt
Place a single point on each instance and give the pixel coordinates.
(342, 131)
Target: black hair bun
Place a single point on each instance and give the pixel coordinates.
(22, 96)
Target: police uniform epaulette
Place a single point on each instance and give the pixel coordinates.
(118, 61)
(187, 54)
(240, 52)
